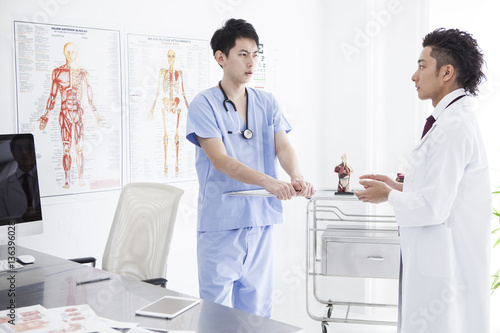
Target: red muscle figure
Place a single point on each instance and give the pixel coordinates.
(71, 81)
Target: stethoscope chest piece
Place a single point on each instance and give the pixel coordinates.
(247, 133)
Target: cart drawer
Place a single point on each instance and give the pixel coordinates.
(374, 256)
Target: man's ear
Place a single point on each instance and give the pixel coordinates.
(447, 72)
(220, 57)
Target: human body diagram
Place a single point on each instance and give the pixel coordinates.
(72, 83)
(171, 85)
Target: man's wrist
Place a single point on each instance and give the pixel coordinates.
(389, 190)
(392, 198)
(264, 180)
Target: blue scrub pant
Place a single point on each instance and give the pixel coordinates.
(235, 268)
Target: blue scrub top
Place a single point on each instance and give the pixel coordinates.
(207, 118)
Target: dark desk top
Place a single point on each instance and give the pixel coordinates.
(51, 282)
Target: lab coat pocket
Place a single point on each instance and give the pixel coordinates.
(434, 251)
(418, 160)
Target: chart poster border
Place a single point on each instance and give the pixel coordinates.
(164, 75)
(69, 95)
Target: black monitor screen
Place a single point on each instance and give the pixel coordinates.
(19, 189)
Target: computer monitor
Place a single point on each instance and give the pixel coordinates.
(20, 208)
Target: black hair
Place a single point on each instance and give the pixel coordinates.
(17, 137)
(459, 49)
(225, 38)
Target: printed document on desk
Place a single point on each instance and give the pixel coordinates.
(38, 319)
(253, 193)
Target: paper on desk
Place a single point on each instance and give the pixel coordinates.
(33, 319)
(255, 193)
(81, 317)
(37, 319)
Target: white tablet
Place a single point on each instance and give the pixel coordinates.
(253, 193)
(167, 307)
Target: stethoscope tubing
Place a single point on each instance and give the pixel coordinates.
(247, 133)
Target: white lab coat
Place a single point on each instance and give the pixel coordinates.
(13, 199)
(444, 214)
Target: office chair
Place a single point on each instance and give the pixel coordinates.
(139, 240)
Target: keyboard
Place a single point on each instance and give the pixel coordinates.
(5, 265)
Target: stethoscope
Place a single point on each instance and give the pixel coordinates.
(247, 133)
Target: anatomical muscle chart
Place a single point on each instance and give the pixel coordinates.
(68, 94)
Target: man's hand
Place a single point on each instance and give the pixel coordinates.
(286, 191)
(303, 187)
(384, 179)
(375, 191)
(29, 214)
(283, 190)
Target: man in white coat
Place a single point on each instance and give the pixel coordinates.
(19, 192)
(444, 207)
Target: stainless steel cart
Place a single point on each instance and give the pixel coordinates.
(343, 244)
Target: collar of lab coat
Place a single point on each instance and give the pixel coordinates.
(442, 105)
(20, 173)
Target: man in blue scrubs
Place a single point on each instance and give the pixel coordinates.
(240, 134)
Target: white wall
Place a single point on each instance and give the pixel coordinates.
(341, 71)
(365, 91)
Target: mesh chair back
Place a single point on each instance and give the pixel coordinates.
(139, 239)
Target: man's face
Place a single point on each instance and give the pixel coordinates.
(427, 80)
(239, 64)
(24, 154)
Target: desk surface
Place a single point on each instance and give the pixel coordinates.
(51, 282)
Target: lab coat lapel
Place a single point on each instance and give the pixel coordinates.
(15, 185)
(427, 135)
(450, 106)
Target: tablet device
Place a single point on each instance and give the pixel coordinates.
(167, 307)
(253, 193)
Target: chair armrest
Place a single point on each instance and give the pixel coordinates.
(157, 282)
(85, 260)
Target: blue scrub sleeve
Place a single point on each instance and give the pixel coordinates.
(201, 120)
(279, 121)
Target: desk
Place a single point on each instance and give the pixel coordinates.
(51, 282)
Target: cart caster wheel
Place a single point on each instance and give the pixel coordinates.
(329, 311)
(324, 327)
